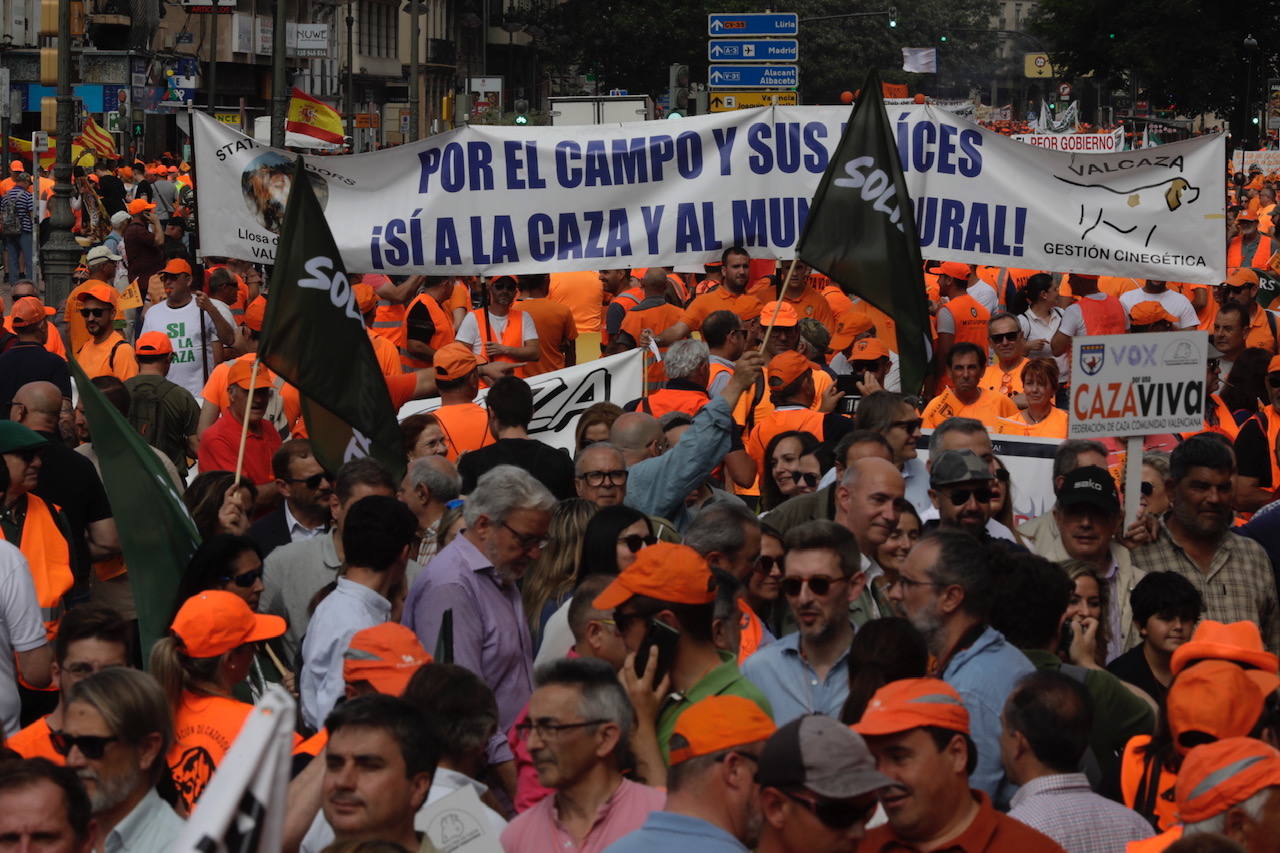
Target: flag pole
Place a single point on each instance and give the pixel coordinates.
(244, 424)
(777, 305)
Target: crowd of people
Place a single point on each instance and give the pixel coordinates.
(776, 602)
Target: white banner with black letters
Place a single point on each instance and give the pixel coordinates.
(489, 199)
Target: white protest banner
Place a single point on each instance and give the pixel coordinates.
(1080, 143)
(490, 199)
(560, 396)
(242, 808)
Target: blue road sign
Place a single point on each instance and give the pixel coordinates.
(753, 76)
(753, 50)
(740, 24)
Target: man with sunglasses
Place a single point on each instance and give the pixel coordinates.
(961, 491)
(198, 327)
(1241, 288)
(105, 353)
(307, 489)
(498, 332)
(818, 787)
(713, 798)
(806, 672)
(117, 730)
(1004, 375)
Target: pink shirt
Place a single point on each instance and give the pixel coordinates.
(538, 830)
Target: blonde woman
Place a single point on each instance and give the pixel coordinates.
(1088, 613)
(550, 579)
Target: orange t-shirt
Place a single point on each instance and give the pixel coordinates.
(583, 294)
(386, 353)
(1053, 426)
(746, 306)
(556, 327)
(837, 300)
(777, 422)
(989, 408)
(996, 379)
(34, 742)
(215, 391)
(112, 357)
(459, 300)
(466, 428)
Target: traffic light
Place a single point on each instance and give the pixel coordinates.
(522, 111)
(446, 109)
(893, 17)
(138, 129)
(678, 91)
(1111, 36)
(944, 39)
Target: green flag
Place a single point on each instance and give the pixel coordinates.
(313, 336)
(861, 230)
(156, 531)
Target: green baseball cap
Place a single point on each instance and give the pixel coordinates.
(15, 437)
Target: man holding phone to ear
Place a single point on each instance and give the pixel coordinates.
(663, 602)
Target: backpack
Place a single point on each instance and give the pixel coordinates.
(146, 409)
(10, 222)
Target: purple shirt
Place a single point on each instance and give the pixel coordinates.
(490, 634)
(538, 830)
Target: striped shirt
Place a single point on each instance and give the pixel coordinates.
(22, 197)
(1063, 807)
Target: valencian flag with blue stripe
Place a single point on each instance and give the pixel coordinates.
(861, 230)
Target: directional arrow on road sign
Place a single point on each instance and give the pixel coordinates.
(753, 50)
(736, 24)
(753, 76)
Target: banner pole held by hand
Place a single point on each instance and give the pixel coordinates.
(777, 308)
(1132, 479)
(244, 424)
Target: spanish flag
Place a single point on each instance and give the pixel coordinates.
(313, 118)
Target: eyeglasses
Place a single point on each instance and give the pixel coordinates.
(1004, 337)
(837, 814)
(503, 285)
(819, 585)
(527, 541)
(1148, 489)
(960, 497)
(246, 580)
(84, 669)
(313, 482)
(910, 425)
(91, 746)
(1002, 475)
(29, 454)
(635, 541)
(766, 565)
(907, 583)
(92, 312)
(547, 730)
(597, 478)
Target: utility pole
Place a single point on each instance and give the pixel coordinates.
(349, 95)
(213, 65)
(279, 86)
(415, 93)
(61, 252)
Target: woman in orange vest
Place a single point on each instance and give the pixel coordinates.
(207, 653)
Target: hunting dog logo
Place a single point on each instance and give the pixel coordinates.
(1168, 197)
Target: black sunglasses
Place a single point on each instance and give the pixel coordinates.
(1147, 489)
(91, 747)
(92, 312)
(960, 497)
(245, 580)
(1004, 336)
(1002, 475)
(809, 479)
(766, 564)
(312, 482)
(28, 454)
(1274, 380)
(819, 585)
(910, 425)
(836, 814)
(635, 541)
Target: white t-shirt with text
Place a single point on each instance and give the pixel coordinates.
(188, 329)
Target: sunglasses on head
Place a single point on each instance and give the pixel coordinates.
(836, 814)
(635, 541)
(245, 580)
(92, 312)
(313, 482)
(819, 585)
(91, 747)
(1004, 337)
(960, 497)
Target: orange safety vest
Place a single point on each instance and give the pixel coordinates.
(970, 319)
(49, 557)
(388, 321)
(634, 296)
(751, 631)
(1218, 419)
(443, 335)
(657, 319)
(1261, 255)
(1102, 316)
(465, 426)
(673, 400)
(512, 335)
(1271, 426)
(1146, 786)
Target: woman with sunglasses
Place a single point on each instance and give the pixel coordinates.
(1040, 418)
(763, 586)
(548, 582)
(795, 462)
(208, 652)
(1155, 472)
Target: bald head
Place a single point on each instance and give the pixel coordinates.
(867, 500)
(41, 404)
(633, 433)
(654, 282)
(868, 468)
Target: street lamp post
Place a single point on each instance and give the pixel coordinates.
(1250, 48)
(414, 8)
(279, 87)
(349, 95)
(61, 252)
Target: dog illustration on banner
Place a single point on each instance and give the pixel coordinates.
(1174, 193)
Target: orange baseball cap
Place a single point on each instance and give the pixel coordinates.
(454, 361)
(386, 656)
(1242, 277)
(215, 622)
(952, 269)
(100, 291)
(1216, 776)
(366, 299)
(28, 311)
(912, 703)
(153, 343)
(17, 166)
(868, 349)
(1246, 215)
(718, 723)
(665, 571)
(139, 205)
(1215, 698)
(786, 315)
(1148, 312)
(990, 275)
(849, 325)
(1240, 642)
(786, 367)
(241, 371)
(177, 266)
(255, 313)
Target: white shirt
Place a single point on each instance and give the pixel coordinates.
(1175, 303)
(20, 627)
(297, 530)
(351, 607)
(152, 827)
(986, 296)
(187, 327)
(469, 333)
(1035, 329)
(557, 638)
(916, 479)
